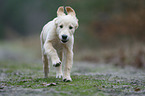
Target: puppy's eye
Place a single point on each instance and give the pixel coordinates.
(70, 27)
(61, 26)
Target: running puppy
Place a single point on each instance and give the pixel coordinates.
(57, 43)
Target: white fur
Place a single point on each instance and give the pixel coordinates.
(53, 49)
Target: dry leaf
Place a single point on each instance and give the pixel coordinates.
(137, 89)
(50, 84)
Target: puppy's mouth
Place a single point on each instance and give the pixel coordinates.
(64, 41)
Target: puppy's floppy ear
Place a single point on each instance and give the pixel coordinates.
(70, 11)
(60, 11)
(55, 21)
(76, 27)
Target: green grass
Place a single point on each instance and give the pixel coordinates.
(88, 80)
(21, 74)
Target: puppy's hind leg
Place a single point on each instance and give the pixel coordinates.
(59, 73)
(44, 58)
(45, 65)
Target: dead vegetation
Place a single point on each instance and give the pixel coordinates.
(121, 56)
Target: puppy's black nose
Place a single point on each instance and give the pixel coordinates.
(64, 37)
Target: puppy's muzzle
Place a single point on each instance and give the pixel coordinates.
(64, 38)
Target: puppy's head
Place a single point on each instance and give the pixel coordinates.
(66, 24)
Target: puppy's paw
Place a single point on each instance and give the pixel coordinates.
(57, 64)
(59, 75)
(67, 79)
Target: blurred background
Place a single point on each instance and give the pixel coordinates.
(110, 31)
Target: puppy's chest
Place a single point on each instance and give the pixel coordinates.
(57, 45)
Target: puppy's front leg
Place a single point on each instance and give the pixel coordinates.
(51, 52)
(68, 64)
